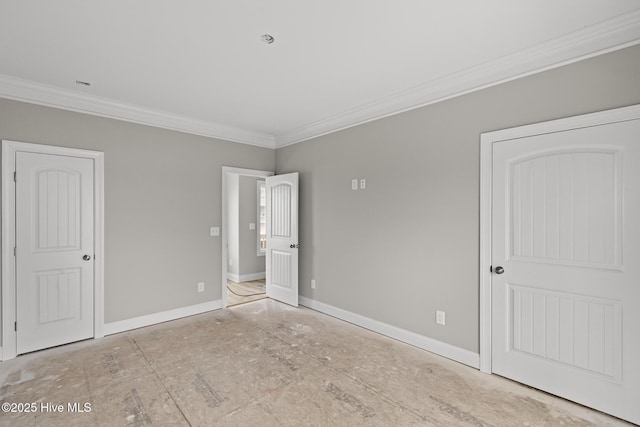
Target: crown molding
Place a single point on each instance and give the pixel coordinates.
(616, 33)
(607, 36)
(50, 96)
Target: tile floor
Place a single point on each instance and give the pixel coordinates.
(266, 364)
(243, 292)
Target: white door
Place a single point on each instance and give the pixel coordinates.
(282, 238)
(566, 232)
(54, 250)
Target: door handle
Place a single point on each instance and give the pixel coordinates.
(499, 270)
(295, 246)
(86, 257)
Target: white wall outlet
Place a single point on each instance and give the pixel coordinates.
(313, 283)
(363, 184)
(354, 184)
(200, 286)
(252, 226)
(440, 317)
(214, 231)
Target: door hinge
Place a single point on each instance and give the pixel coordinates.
(15, 326)
(14, 177)
(15, 251)
(491, 269)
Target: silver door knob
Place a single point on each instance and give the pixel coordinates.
(86, 257)
(499, 270)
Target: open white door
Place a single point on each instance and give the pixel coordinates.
(282, 238)
(54, 250)
(566, 263)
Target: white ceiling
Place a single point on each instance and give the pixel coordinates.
(200, 65)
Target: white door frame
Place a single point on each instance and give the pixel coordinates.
(486, 172)
(9, 149)
(226, 171)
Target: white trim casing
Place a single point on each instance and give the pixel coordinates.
(486, 156)
(440, 348)
(229, 170)
(164, 316)
(486, 172)
(8, 285)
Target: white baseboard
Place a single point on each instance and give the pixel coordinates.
(164, 316)
(239, 278)
(440, 348)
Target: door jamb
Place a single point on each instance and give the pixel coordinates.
(8, 291)
(226, 171)
(486, 172)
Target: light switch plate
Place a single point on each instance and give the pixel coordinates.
(215, 231)
(252, 226)
(363, 184)
(440, 317)
(354, 184)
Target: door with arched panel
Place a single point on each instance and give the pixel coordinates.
(566, 263)
(282, 238)
(54, 250)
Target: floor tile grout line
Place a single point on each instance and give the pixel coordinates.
(153, 368)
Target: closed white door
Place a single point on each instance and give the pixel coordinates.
(566, 234)
(54, 250)
(282, 238)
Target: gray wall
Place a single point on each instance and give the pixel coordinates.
(395, 252)
(242, 242)
(250, 262)
(233, 224)
(409, 243)
(163, 193)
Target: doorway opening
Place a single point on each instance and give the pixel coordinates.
(243, 222)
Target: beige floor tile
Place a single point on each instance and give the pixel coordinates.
(244, 292)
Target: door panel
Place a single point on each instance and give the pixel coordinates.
(54, 230)
(57, 295)
(566, 229)
(574, 330)
(565, 208)
(282, 238)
